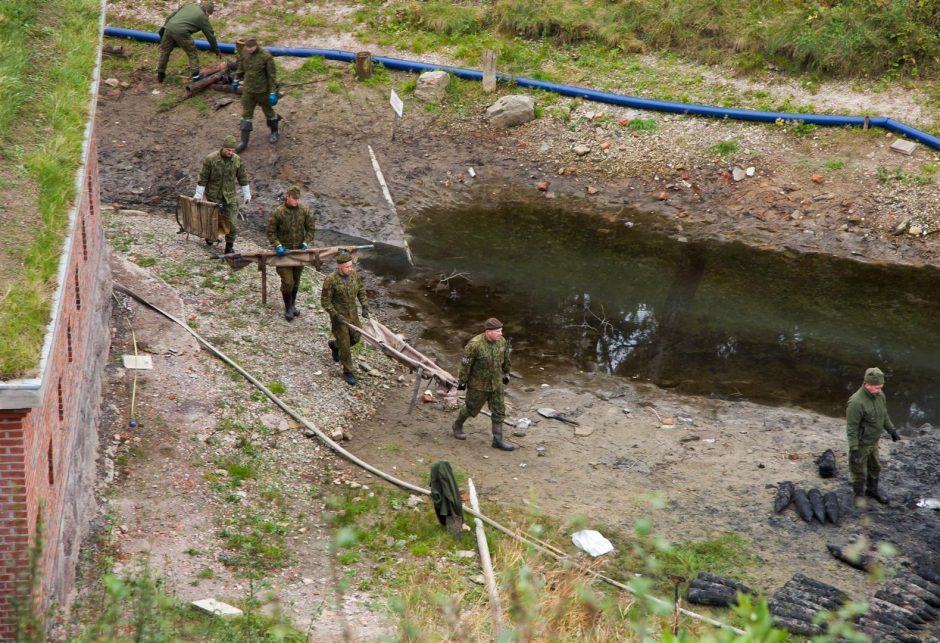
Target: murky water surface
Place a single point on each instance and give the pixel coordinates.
(705, 318)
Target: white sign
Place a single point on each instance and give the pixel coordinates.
(396, 103)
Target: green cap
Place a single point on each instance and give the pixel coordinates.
(293, 191)
(229, 141)
(343, 257)
(874, 376)
(208, 6)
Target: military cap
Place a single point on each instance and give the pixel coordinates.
(251, 41)
(293, 191)
(228, 141)
(343, 257)
(208, 6)
(492, 324)
(874, 375)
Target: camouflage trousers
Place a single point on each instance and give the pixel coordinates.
(868, 466)
(476, 399)
(345, 338)
(252, 100)
(169, 42)
(290, 277)
(230, 210)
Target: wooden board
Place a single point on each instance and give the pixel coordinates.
(201, 218)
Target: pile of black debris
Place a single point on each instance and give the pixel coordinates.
(708, 589)
(904, 608)
(810, 505)
(795, 605)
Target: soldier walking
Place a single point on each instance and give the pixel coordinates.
(221, 170)
(290, 226)
(257, 76)
(340, 291)
(866, 416)
(178, 31)
(484, 374)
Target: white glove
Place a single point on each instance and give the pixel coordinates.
(246, 194)
(200, 192)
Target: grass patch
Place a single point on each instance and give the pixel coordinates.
(834, 164)
(49, 52)
(724, 148)
(643, 125)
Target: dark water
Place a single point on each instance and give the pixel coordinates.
(706, 318)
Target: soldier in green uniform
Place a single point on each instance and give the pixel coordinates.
(484, 373)
(257, 77)
(221, 170)
(290, 227)
(866, 416)
(340, 291)
(178, 31)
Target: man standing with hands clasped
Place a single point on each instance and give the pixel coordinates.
(257, 76)
(866, 416)
(290, 228)
(484, 374)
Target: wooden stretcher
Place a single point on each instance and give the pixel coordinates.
(395, 346)
(313, 257)
(201, 218)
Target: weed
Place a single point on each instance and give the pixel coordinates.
(834, 164)
(804, 129)
(192, 551)
(724, 148)
(643, 125)
(145, 262)
(334, 86)
(278, 388)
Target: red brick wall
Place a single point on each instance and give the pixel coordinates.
(47, 452)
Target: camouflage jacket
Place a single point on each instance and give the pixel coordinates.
(290, 227)
(219, 175)
(866, 416)
(189, 19)
(257, 72)
(339, 295)
(484, 363)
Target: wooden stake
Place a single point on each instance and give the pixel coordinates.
(414, 396)
(363, 65)
(263, 268)
(489, 71)
(486, 563)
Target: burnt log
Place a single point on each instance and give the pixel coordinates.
(833, 509)
(721, 580)
(820, 587)
(861, 561)
(816, 500)
(803, 506)
(784, 496)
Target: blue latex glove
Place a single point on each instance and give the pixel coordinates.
(272, 98)
(302, 246)
(280, 250)
(235, 85)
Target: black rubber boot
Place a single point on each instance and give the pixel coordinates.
(457, 428)
(334, 349)
(272, 125)
(161, 76)
(293, 301)
(871, 490)
(350, 378)
(246, 128)
(498, 442)
(229, 247)
(288, 310)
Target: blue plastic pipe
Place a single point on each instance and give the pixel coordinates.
(579, 92)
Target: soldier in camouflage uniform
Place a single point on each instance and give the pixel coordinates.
(221, 170)
(290, 227)
(866, 416)
(340, 291)
(484, 373)
(178, 31)
(257, 76)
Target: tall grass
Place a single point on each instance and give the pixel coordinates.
(47, 54)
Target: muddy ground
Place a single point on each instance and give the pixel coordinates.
(715, 471)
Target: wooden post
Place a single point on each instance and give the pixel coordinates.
(363, 65)
(418, 374)
(263, 267)
(486, 563)
(489, 71)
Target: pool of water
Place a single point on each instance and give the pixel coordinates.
(608, 294)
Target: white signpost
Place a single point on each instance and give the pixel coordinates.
(399, 107)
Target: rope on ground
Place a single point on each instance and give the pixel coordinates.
(323, 437)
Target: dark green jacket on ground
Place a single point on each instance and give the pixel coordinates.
(257, 72)
(339, 295)
(484, 363)
(220, 174)
(189, 19)
(866, 416)
(290, 227)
